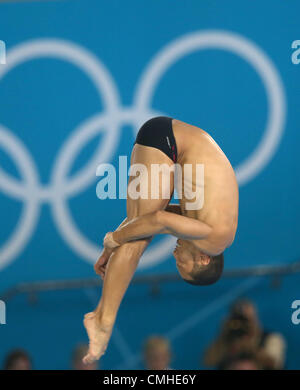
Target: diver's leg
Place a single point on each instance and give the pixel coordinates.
(124, 259)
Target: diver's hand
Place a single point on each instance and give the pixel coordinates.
(100, 266)
(109, 242)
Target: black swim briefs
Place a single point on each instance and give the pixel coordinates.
(158, 133)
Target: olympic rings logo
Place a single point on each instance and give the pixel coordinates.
(33, 194)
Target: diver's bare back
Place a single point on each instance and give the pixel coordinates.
(220, 206)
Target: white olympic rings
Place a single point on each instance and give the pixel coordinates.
(32, 193)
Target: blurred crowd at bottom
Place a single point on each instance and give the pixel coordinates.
(242, 344)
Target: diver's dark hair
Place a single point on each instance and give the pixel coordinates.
(204, 275)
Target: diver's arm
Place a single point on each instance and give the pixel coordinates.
(158, 222)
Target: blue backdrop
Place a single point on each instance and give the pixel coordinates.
(79, 79)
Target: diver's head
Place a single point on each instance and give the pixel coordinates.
(196, 267)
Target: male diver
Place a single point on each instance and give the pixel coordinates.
(204, 222)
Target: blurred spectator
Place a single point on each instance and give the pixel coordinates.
(241, 332)
(78, 354)
(17, 359)
(242, 361)
(157, 353)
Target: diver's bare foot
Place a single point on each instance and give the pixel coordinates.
(98, 338)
